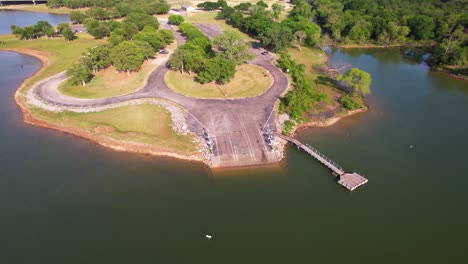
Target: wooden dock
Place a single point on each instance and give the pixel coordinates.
(350, 181)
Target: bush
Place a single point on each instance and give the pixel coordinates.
(288, 127)
(349, 102)
(176, 19)
(300, 99)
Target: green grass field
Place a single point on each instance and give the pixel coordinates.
(145, 123)
(311, 58)
(250, 80)
(108, 83)
(60, 53)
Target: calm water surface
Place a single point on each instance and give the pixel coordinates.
(24, 18)
(66, 200)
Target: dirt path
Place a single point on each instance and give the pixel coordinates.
(233, 126)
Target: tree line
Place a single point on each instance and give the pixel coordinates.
(120, 9)
(297, 29)
(114, 8)
(211, 61)
(126, 50)
(387, 22)
(43, 28)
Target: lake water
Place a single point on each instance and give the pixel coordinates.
(65, 200)
(24, 18)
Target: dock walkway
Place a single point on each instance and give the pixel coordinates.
(350, 181)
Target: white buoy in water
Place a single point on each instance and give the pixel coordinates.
(411, 146)
(208, 236)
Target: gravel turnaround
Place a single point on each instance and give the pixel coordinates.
(234, 127)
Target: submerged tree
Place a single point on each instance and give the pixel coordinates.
(358, 80)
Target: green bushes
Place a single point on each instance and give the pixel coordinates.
(288, 127)
(176, 19)
(349, 102)
(300, 99)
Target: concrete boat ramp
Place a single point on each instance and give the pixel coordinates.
(350, 181)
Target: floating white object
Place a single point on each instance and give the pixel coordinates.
(208, 236)
(411, 146)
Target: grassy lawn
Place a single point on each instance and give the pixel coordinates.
(145, 123)
(109, 82)
(60, 53)
(41, 8)
(311, 58)
(250, 80)
(314, 59)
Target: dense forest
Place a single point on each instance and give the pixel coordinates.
(442, 23)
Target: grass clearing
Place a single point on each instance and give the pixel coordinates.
(249, 81)
(148, 124)
(60, 53)
(41, 8)
(145, 123)
(314, 59)
(311, 58)
(109, 82)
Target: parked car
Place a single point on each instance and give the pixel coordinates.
(264, 52)
(164, 51)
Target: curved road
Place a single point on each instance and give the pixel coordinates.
(234, 125)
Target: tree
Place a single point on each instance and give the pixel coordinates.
(167, 35)
(232, 47)
(176, 19)
(79, 74)
(145, 48)
(277, 9)
(261, 4)
(100, 31)
(126, 56)
(141, 20)
(358, 80)
(276, 37)
(217, 69)
(299, 38)
(188, 57)
(129, 30)
(422, 27)
(65, 30)
(98, 57)
(116, 39)
(44, 28)
(151, 35)
(77, 17)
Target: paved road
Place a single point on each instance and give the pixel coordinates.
(234, 125)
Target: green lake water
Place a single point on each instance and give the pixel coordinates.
(65, 200)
